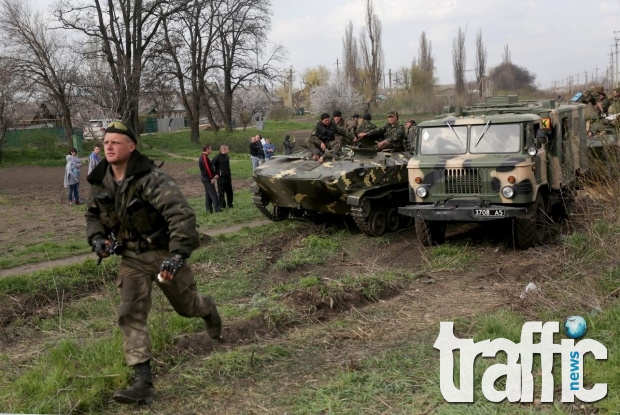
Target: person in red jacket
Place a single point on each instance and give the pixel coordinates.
(209, 176)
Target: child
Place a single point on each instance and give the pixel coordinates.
(72, 177)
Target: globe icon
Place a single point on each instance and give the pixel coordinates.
(575, 327)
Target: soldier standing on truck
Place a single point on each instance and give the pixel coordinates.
(410, 133)
(324, 134)
(393, 133)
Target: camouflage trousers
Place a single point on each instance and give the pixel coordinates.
(135, 282)
(332, 149)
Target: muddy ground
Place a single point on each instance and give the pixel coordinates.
(35, 208)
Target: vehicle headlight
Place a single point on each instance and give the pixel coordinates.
(508, 192)
(421, 191)
(532, 151)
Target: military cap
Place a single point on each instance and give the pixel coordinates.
(316, 151)
(600, 88)
(120, 128)
(337, 113)
(392, 114)
(411, 120)
(617, 90)
(324, 115)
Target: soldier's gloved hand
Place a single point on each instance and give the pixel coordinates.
(102, 248)
(171, 265)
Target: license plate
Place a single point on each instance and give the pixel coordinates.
(490, 212)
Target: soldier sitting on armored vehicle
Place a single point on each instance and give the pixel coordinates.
(393, 133)
(363, 127)
(324, 134)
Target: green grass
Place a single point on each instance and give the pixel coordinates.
(14, 256)
(46, 152)
(373, 357)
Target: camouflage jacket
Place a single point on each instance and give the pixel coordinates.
(411, 135)
(351, 126)
(394, 134)
(363, 127)
(156, 214)
(323, 134)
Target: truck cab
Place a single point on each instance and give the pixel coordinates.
(501, 160)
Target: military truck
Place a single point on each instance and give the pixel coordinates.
(504, 160)
(365, 183)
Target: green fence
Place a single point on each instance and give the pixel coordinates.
(35, 137)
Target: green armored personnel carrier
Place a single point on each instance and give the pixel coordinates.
(502, 160)
(367, 184)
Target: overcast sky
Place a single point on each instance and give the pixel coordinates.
(552, 39)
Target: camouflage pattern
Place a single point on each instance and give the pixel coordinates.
(411, 134)
(158, 221)
(327, 135)
(464, 161)
(351, 125)
(135, 281)
(364, 127)
(297, 185)
(165, 221)
(393, 133)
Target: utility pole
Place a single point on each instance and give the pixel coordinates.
(596, 76)
(337, 67)
(611, 65)
(585, 73)
(615, 84)
(390, 78)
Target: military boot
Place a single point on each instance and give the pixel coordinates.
(213, 321)
(141, 391)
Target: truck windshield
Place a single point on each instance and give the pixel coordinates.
(498, 138)
(443, 140)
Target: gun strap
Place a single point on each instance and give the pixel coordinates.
(121, 228)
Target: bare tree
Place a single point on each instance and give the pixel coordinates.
(14, 94)
(123, 32)
(242, 28)
(481, 62)
(458, 61)
(249, 102)
(372, 53)
(39, 54)
(187, 45)
(506, 55)
(425, 55)
(423, 71)
(350, 56)
(404, 79)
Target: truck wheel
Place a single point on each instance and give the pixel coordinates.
(393, 220)
(430, 232)
(378, 223)
(530, 229)
(406, 221)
